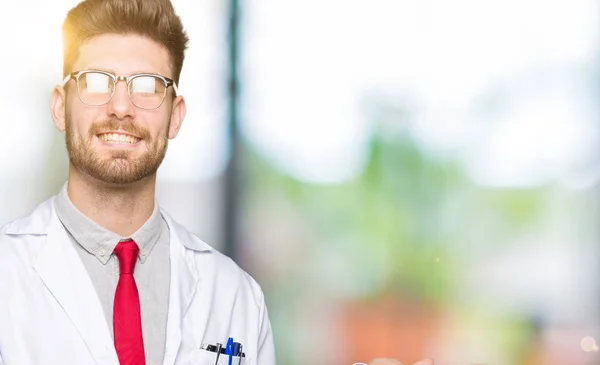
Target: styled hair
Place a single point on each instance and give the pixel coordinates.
(154, 19)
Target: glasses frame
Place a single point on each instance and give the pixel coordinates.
(77, 74)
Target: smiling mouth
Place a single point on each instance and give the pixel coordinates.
(118, 138)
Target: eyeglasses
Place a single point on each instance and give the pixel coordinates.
(96, 88)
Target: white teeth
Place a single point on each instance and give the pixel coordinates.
(118, 138)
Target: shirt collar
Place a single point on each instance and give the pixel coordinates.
(100, 241)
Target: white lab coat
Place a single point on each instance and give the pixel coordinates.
(50, 312)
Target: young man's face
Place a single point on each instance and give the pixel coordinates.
(118, 142)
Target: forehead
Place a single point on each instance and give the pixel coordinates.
(123, 55)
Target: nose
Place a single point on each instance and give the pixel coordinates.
(120, 105)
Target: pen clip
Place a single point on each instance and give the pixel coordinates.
(219, 347)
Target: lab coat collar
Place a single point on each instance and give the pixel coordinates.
(38, 223)
(185, 237)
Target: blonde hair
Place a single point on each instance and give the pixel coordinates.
(154, 19)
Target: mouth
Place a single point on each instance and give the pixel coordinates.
(118, 138)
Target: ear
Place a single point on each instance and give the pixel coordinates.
(178, 112)
(58, 107)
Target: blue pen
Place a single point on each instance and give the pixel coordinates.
(229, 350)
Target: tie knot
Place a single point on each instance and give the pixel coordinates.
(127, 252)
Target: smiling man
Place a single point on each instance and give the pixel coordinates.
(99, 273)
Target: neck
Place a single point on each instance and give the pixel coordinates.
(122, 209)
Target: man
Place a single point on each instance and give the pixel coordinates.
(99, 274)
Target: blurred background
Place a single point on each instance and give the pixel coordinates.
(404, 178)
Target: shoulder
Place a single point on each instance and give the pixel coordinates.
(22, 238)
(214, 265)
(35, 223)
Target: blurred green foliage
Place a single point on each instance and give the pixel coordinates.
(405, 215)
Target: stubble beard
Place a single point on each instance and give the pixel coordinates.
(120, 167)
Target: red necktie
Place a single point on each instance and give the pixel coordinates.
(127, 322)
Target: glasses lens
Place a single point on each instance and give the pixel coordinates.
(147, 92)
(95, 88)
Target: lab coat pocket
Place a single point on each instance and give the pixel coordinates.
(210, 358)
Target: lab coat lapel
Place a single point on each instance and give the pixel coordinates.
(184, 281)
(65, 276)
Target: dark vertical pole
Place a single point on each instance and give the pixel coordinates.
(232, 189)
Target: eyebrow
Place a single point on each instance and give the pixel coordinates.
(99, 69)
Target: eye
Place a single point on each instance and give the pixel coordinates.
(146, 85)
(94, 82)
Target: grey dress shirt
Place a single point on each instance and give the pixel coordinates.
(95, 246)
